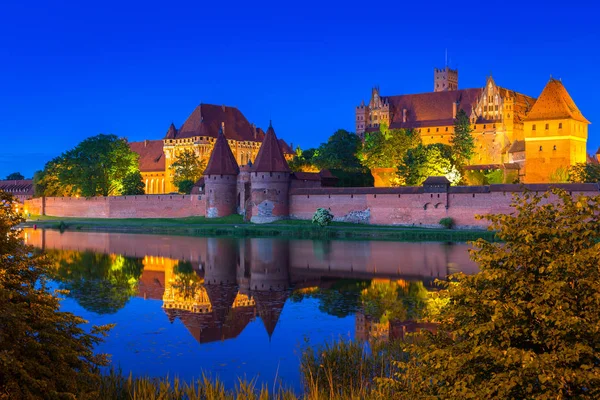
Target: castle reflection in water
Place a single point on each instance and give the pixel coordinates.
(217, 286)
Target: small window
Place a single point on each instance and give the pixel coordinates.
(437, 129)
(446, 129)
(547, 126)
(428, 130)
(540, 148)
(554, 148)
(533, 127)
(560, 125)
(484, 126)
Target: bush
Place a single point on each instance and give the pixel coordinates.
(322, 217)
(447, 222)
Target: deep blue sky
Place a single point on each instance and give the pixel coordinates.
(72, 69)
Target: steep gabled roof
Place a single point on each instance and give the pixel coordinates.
(172, 132)
(517, 146)
(270, 157)
(555, 103)
(269, 306)
(152, 157)
(206, 120)
(222, 161)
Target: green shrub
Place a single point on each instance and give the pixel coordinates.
(447, 222)
(322, 217)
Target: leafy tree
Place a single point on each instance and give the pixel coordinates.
(584, 173)
(133, 184)
(15, 176)
(339, 152)
(95, 167)
(424, 161)
(187, 167)
(527, 325)
(185, 186)
(44, 353)
(386, 148)
(560, 175)
(303, 161)
(462, 142)
(100, 283)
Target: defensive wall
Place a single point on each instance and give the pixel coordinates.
(408, 206)
(143, 206)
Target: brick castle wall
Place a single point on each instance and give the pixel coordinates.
(412, 206)
(144, 206)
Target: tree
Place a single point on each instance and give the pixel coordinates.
(187, 167)
(386, 148)
(303, 161)
(95, 167)
(44, 353)
(424, 161)
(584, 173)
(339, 152)
(462, 142)
(133, 184)
(527, 325)
(15, 176)
(185, 186)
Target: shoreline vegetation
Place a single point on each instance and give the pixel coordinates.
(235, 226)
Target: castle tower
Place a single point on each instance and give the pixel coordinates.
(220, 177)
(445, 80)
(270, 181)
(362, 116)
(555, 134)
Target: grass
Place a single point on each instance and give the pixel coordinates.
(340, 370)
(235, 226)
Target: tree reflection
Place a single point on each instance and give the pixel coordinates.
(101, 283)
(185, 280)
(388, 301)
(341, 299)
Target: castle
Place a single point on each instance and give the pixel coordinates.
(199, 133)
(533, 137)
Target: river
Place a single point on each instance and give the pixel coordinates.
(238, 307)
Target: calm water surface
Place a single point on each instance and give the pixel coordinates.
(232, 307)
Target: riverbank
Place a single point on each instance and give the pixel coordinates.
(235, 226)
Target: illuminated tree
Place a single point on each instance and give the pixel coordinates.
(462, 142)
(187, 168)
(386, 148)
(527, 325)
(584, 173)
(424, 161)
(133, 184)
(44, 353)
(303, 161)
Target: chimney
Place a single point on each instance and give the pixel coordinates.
(404, 115)
(223, 107)
(223, 127)
(146, 143)
(454, 104)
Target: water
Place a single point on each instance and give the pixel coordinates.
(240, 307)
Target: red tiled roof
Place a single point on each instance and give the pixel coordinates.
(24, 186)
(269, 306)
(285, 147)
(307, 176)
(206, 120)
(555, 103)
(151, 154)
(517, 146)
(222, 161)
(270, 157)
(427, 109)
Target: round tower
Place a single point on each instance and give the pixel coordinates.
(220, 179)
(270, 181)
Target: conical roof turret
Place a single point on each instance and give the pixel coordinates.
(172, 132)
(270, 157)
(222, 161)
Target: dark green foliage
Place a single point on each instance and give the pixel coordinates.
(462, 142)
(303, 161)
(44, 353)
(362, 178)
(15, 176)
(584, 173)
(95, 167)
(447, 222)
(100, 283)
(133, 184)
(424, 161)
(185, 186)
(386, 148)
(527, 325)
(339, 152)
(187, 167)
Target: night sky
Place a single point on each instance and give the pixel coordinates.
(69, 70)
